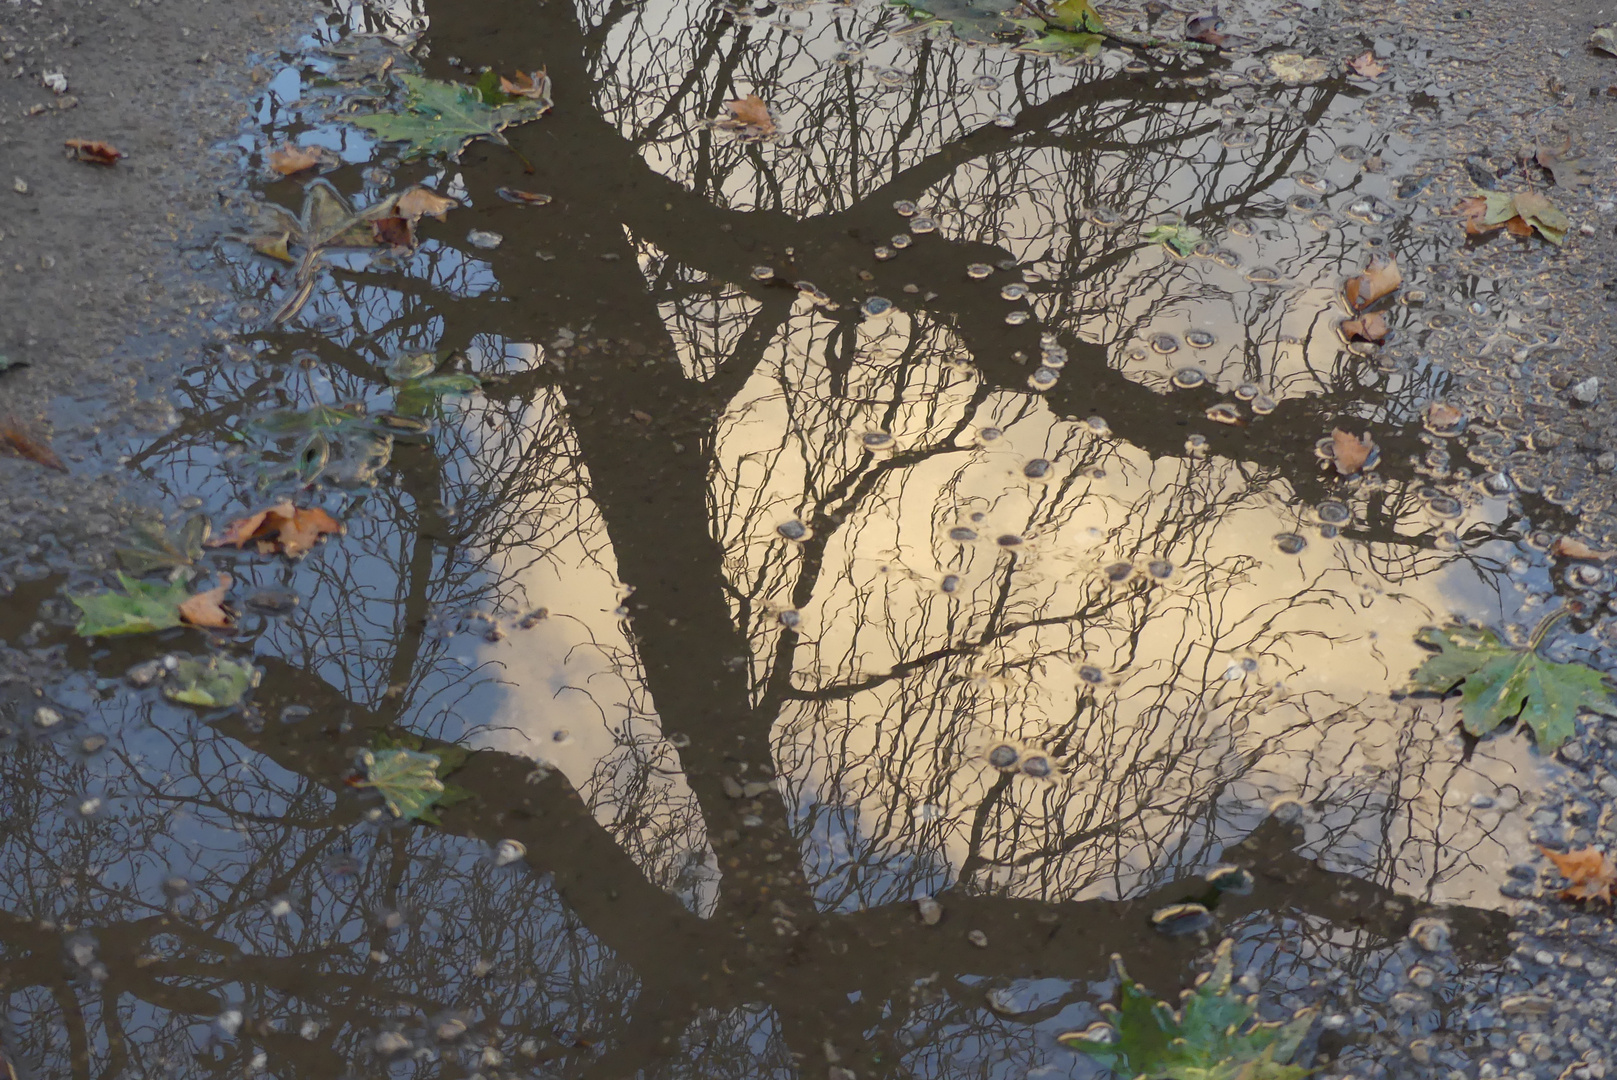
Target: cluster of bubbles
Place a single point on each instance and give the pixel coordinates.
(1009, 757)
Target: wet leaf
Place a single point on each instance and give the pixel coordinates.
(1517, 212)
(1380, 278)
(417, 389)
(407, 781)
(291, 159)
(1076, 15)
(1565, 547)
(1589, 873)
(1181, 238)
(1366, 66)
(534, 87)
(1567, 172)
(1206, 28)
(1297, 70)
(96, 153)
(218, 682)
(152, 547)
(285, 528)
(419, 202)
(1605, 39)
(1066, 41)
(144, 607)
(206, 609)
(444, 118)
(1500, 682)
(1443, 417)
(748, 115)
(1368, 327)
(1351, 452)
(393, 232)
(1542, 215)
(522, 198)
(1215, 1034)
(276, 246)
(15, 442)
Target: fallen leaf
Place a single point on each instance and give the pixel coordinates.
(291, 159)
(1443, 418)
(97, 153)
(142, 608)
(419, 202)
(1351, 452)
(525, 198)
(1565, 547)
(153, 548)
(1604, 39)
(1366, 66)
(444, 118)
(285, 528)
(1078, 15)
(1590, 874)
(417, 387)
(215, 683)
(1519, 213)
(1369, 327)
(1206, 28)
(206, 609)
(407, 780)
(1542, 215)
(749, 115)
(394, 232)
(1296, 69)
(1567, 172)
(534, 87)
(1181, 238)
(276, 246)
(1501, 683)
(19, 443)
(1379, 278)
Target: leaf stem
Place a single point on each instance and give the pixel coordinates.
(1543, 628)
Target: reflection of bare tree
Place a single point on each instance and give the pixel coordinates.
(797, 720)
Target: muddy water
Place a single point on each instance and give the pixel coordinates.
(846, 518)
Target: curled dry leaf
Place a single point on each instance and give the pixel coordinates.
(291, 159)
(1442, 418)
(1351, 452)
(419, 202)
(97, 153)
(1566, 547)
(522, 198)
(1366, 66)
(1589, 873)
(1369, 327)
(748, 115)
(16, 442)
(289, 529)
(207, 609)
(534, 87)
(1518, 213)
(1379, 278)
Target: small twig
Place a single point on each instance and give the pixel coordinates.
(1156, 42)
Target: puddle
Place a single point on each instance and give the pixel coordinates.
(853, 518)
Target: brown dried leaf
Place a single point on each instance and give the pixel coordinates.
(393, 232)
(1371, 327)
(749, 113)
(291, 159)
(97, 153)
(536, 86)
(16, 442)
(1589, 873)
(1350, 451)
(1442, 417)
(523, 198)
(1567, 172)
(289, 529)
(1379, 279)
(1366, 66)
(419, 202)
(1566, 547)
(274, 245)
(207, 609)
(1474, 214)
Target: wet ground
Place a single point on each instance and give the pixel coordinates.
(875, 585)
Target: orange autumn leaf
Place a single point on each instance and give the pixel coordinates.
(1589, 873)
(1371, 327)
(393, 232)
(1379, 278)
(1350, 452)
(288, 529)
(1443, 417)
(1367, 66)
(748, 114)
(97, 153)
(16, 442)
(1566, 547)
(420, 202)
(291, 159)
(535, 86)
(207, 609)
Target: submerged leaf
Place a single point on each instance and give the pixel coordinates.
(406, 779)
(1351, 453)
(206, 609)
(1079, 15)
(1501, 683)
(1519, 213)
(1181, 238)
(444, 118)
(1215, 1034)
(417, 389)
(285, 528)
(143, 607)
(1590, 874)
(1379, 278)
(215, 683)
(153, 548)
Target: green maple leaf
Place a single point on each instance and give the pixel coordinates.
(215, 683)
(1214, 1035)
(1500, 682)
(410, 780)
(1078, 15)
(153, 547)
(1181, 238)
(416, 388)
(444, 117)
(143, 607)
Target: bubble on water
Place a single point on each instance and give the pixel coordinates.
(884, 253)
(228, 1022)
(990, 434)
(1199, 339)
(1263, 405)
(1100, 1033)
(763, 273)
(876, 305)
(280, 908)
(1584, 576)
(1137, 66)
(950, 583)
(1237, 138)
(1039, 766)
(1288, 811)
(1445, 506)
(1091, 674)
(792, 530)
(1188, 378)
(1226, 258)
(1246, 391)
(1263, 275)
(1004, 119)
(1008, 540)
(1352, 152)
(922, 224)
(904, 208)
(791, 618)
(1414, 297)
(1099, 426)
(1290, 543)
(90, 807)
(901, 240)
(876, 439)
(176, 886)
(1014, 291)
(1231, 879)
(1196, 445)
(507, 852)
(1370, 210)
(1224, 413)
(930, 910)
(1303, 204)
(390, 1043)
(1332, 512)
(1043, 378)
(1004, 755)
(1037, 469)
(978, 271)
(1164, 343)
(1161, 569)
(1319, 185)
(1324, 221)
(1118, 572)
(962, 534)
(340, 866)
(1422, 976)
(483, 238)
(1103, 217)
(1431, 934)
(1177, 920)
(1017, 318)
(986, 82)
